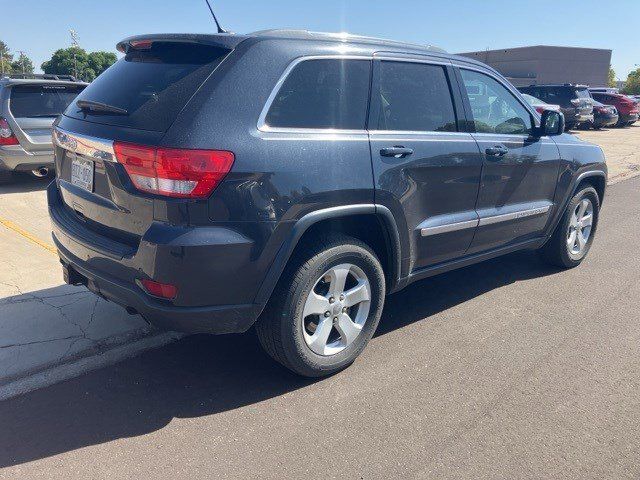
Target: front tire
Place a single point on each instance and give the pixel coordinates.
(325, 308)
(572, 240)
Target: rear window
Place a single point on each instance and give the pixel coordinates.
(582, 93)
(33, 101)
(151, 85)
(323, 94)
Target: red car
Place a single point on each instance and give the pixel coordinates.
(627, 109)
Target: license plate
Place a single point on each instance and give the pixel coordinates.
(82, 173)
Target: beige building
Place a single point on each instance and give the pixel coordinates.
(545, 64)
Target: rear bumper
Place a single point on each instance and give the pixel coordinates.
(15, 157)
(605, 121)
(629, 118)
(111, 271)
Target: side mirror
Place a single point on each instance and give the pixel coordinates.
(552, 123)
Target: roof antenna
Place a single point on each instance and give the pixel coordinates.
(220, 29)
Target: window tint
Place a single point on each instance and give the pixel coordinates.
(42, 100)
(495, 109)
(327, 93)
(415, 97)
(152, 85)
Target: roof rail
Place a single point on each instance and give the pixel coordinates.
(41, 76)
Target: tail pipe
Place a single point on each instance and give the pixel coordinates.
(40, 172)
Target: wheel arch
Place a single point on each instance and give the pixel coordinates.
(373, 224)
(595, 178)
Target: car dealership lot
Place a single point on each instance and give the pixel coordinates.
(504, 369)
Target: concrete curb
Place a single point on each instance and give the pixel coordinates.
(79, 366)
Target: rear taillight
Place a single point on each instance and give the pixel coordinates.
(540, 109)
(6, 134)
(174, 172)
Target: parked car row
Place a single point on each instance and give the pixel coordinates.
(584, 107)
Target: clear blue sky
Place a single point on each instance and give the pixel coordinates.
(39, 27)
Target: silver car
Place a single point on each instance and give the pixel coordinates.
(28, 107)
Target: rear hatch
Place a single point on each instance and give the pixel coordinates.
(135, 101)
(34, 107)
(583, 101)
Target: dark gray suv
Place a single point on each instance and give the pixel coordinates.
(290, 180)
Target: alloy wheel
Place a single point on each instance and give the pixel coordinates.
(336, 309)
(580, 228)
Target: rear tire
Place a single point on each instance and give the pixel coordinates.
(572, 239)
(310, 325)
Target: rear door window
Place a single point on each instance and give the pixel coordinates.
(323, 94)
(151, 85)
(34, 101)
(415, 97)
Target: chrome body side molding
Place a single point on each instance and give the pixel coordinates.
(505, 217)
(437, 226)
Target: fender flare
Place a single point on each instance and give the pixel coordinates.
(572, 191)
(587, 174)
(303, 224)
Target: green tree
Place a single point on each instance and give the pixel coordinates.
(612, 78)
(77, 62)
(5, 58)
(632, 85)
(100, 61)
(22, 64)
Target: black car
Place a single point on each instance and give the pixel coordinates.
(290, 180)
(575, 101)
(604, 115)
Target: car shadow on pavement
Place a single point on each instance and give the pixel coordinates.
(205, 375)
(23, 182)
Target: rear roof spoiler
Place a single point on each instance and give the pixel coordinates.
(225, 40)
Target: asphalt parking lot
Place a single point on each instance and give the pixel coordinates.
(507, 369)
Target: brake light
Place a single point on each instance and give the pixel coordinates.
(141, 44)
(174, 172)
(162, 290)
(6, 134)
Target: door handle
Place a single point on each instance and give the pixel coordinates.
(497, 151)
(396, 152)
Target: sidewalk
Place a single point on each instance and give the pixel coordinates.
(45, 324)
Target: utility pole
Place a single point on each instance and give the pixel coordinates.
(22, 57)
(2, 64)
(74, 45)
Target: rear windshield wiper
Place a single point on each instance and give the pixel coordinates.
(98, 107)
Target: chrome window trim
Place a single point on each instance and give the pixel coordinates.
(92, 147)
(262, 120)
